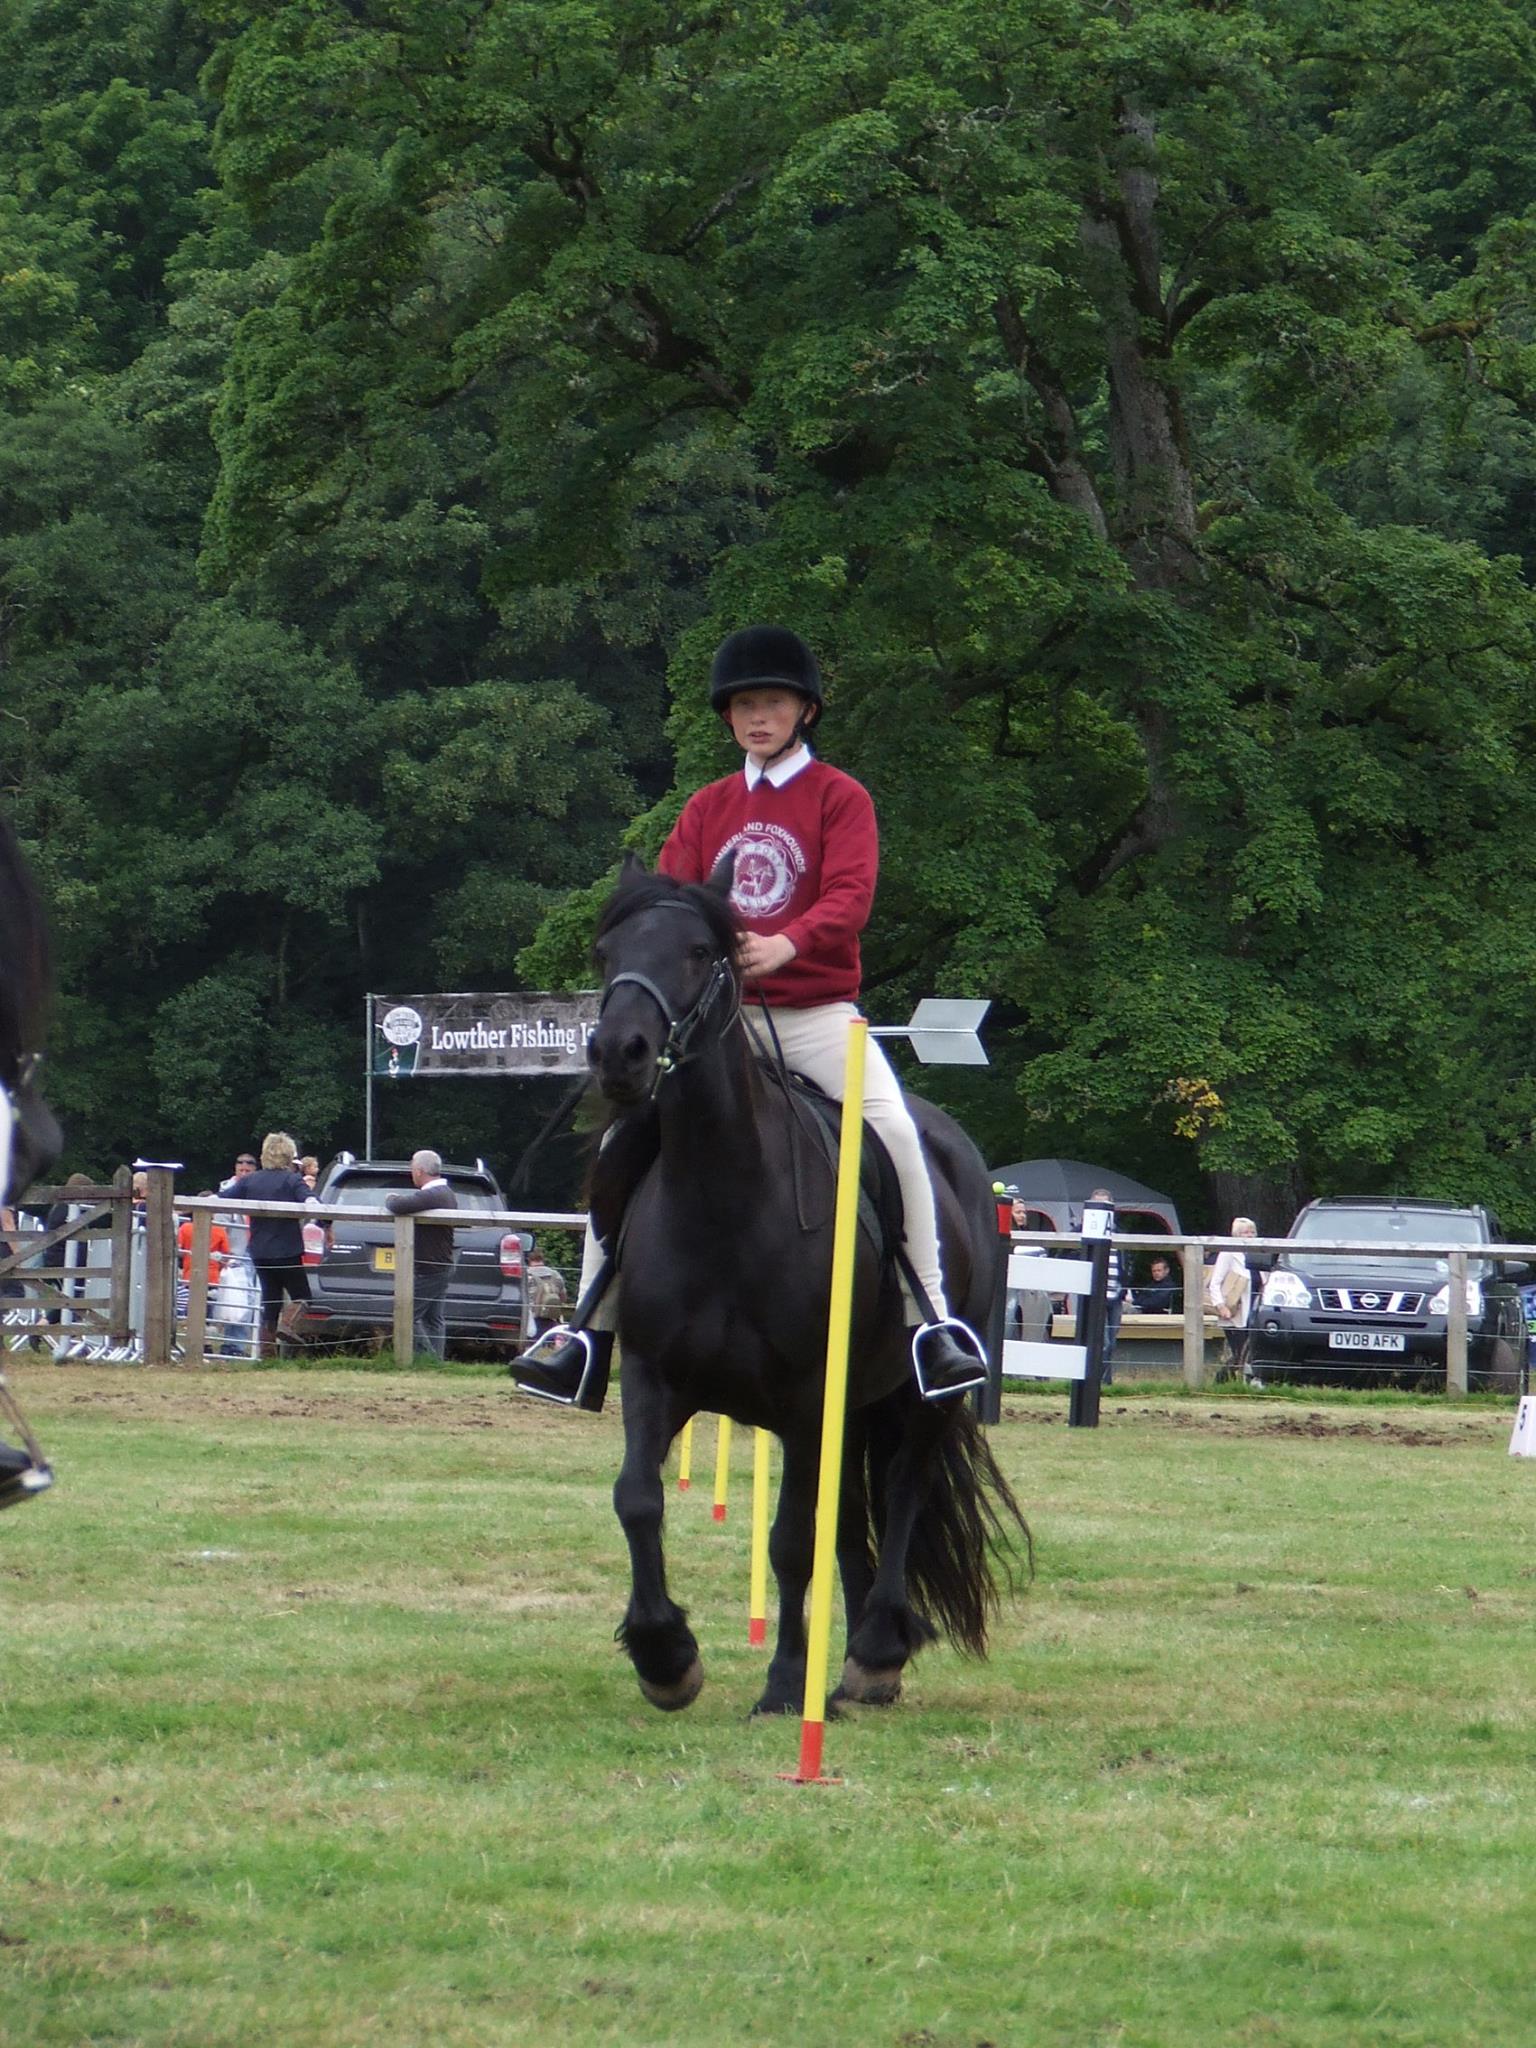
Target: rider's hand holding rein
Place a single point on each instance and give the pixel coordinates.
(758, 954)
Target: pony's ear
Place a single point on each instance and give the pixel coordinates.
(723, 874)
(632, 869)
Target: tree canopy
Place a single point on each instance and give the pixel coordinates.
(1134, 405)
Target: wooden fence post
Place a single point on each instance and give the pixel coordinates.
(1193, 1263)
(405, 1289)
(196, 1343)
(1456, 1327)
(159, 1265)
(120, 1273)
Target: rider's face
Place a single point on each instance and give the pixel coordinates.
(763, 720)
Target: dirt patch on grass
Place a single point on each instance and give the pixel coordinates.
(1417, 1428)
(182, 1395)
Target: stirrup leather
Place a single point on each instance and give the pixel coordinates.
(968, 1341)
(559, 1335)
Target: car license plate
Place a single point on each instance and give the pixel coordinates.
(384, 1259)
(1367, 1340)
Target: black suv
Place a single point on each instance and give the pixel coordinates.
(1357, 1317)
(352, 1280)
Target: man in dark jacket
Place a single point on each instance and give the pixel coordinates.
(434, 1251)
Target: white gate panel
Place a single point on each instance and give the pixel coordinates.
(1028, 1271)
(1022, 1361)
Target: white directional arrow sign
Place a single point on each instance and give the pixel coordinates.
(943, 1031)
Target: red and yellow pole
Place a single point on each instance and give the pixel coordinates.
(685, 1457)
(757, 1604)
(722, 1467)
(833, 1411)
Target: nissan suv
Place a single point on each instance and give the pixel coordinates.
(352, 1277)
(1366, 1317)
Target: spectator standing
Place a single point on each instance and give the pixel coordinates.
(1230, 1292)
(239, 1230)
(277, 1242)
(218, 1247)
(547, 1297)
(1160, 1295)
(73, 1254)
(434, 1251)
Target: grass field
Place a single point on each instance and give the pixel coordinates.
(313, 1731)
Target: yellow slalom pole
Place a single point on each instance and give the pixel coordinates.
(834, 1408)
(722, 1467)
(757, 1604)
(685, 1457)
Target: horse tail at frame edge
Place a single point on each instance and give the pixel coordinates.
(970, 1543)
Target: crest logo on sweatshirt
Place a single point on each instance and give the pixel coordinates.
(769, 863)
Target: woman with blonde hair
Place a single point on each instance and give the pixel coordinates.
(1230, 1291)
(277, 1242)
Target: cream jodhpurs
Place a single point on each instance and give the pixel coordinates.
(815, 1043)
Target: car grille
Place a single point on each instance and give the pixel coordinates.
(1370, 1301)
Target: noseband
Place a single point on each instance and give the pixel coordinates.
(678, 1047)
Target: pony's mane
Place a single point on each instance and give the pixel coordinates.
(637, 892)
(24, 958)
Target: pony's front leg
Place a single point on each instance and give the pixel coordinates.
(655, 1629)
(791, 1547)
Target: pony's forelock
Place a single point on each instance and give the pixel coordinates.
(638, 892)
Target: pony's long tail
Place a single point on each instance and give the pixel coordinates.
(970, 1544)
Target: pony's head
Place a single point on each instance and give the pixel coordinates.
(29, 1137)
(667, 952)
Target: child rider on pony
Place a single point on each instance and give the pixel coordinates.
(807, 856)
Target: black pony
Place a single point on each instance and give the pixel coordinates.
(725, 1265)
(29, 1137)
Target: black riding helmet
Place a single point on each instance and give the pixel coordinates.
(765, 658)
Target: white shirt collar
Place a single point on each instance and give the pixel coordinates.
(785, 769)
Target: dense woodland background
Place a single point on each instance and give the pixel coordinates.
(1135, 402)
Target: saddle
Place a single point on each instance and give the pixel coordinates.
(881, 1216)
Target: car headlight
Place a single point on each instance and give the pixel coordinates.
(1286, 1290)
(1440, 1304)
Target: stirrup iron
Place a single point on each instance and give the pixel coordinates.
(561, 1334)
(967, 1340)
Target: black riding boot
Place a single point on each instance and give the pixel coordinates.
(567, 1366)
(20, 1478)
(947, 1360)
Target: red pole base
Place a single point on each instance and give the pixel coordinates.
(683, 1485)
(809, 1773)
(719, 1511)
(757, 1630)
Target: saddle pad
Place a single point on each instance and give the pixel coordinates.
(881, 1215)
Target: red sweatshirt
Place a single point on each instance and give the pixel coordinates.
(807, 854)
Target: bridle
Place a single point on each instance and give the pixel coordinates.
(679, 1048)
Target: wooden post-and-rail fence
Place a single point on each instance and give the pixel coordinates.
(104, 1214)
(109, 1210)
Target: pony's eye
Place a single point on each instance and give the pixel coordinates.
(702, 952)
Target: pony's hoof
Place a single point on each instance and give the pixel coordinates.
(869, 1688)
(681, 1693)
